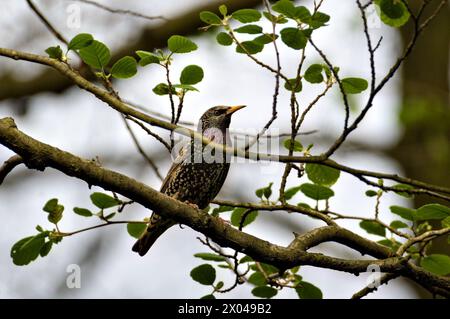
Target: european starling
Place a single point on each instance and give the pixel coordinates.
(197, 174)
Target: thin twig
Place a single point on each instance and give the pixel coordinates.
(149, 132)
(122, 11)
(277, 85)
(45, 21)
(418, 29)
(141, 150)
(9, 165)
(369, 289)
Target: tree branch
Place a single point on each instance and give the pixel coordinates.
(125, 109)
(37, 155)
(8, 166)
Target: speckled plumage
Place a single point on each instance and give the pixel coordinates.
(189, 180)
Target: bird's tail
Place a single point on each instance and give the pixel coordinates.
(156, 228)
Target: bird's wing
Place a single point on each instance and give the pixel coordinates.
(172, 173)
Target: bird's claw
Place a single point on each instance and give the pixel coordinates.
(192, 205)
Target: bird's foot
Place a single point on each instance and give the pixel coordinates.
(227, 222)
(192, 205)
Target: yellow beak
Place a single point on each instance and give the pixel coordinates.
(233, 109)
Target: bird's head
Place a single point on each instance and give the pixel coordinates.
(218, 117)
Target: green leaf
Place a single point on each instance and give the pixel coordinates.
(185, 87)
(264, 292)
(250, 29)
(238, 214)
(432, 211)
(354, 85)
(392, 12)
(303, 14)
(246, 15)
(163, 89)
(225, 266)
(304, 205)
(51, 205)
(124, 68)
(295, 270)
(257, 279)
(437, 264)
(397, 224)
(208, 297)
(82, 212)
(314, 73)
(373, 227)
(406, 213)
(446, 222)
(27, 249)
(204, 274)
(104, 201)
(294, 38)
(245, 259)
(318, 19)
(192, 74)
(297, 147)
(371, 193)
(45, 249)
(54, 210)
(306, 290)
(269, 269)
(180, 44)
(210, 18)
(317, 192)
(96, 55)
(55, 52)
(80, 41)
(221, 209)
(264, 191)
(224, 39)
(293, 85)
(210, 257)
(249, 47)
(403, 187)
(289, 193)
(321, 174)
(265, 38)
(136, 229)
(272, 18)
(147, 58)
(223, 10)
(285, 7)
(56, 215)
(392, 244)
(220, 285)
(110, 216)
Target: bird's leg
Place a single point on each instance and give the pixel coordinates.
(192, 204)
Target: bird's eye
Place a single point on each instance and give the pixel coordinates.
(218, 112)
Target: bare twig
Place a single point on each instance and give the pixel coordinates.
(141, 150)
(418, 29)
(121, 11)
(45, 21)
(9, 165)
(368, 289)
(149, 132)
(277, 85)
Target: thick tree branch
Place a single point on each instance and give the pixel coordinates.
(37, 155)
